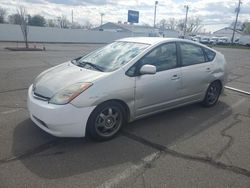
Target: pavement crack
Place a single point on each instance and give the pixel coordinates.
(144, 181)
(14, 90)
(13, 107)
(143, 141)
(230, 138)
(206, 160)
(34, 151)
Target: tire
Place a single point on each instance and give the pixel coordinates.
(105, 121)
(212, 94)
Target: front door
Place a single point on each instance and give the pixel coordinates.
(161, 90)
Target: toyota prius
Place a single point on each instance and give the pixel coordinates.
(96, 94)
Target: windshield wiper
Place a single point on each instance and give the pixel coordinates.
(82, 64)
(75, 61)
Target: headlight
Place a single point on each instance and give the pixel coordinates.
(69, 93)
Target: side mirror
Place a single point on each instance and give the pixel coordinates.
(148, 69)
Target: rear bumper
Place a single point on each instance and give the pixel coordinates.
(58, 120)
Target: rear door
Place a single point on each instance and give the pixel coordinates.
(196, 71)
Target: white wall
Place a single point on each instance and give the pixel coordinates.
(9, 32)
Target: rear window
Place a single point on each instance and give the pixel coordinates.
(209, 54)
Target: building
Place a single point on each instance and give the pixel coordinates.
(228, 32)
(136, 30)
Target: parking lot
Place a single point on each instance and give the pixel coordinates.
(191, 146)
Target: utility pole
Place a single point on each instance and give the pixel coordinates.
(237, 10)
(185, 25)
(156, 3)
(102, 14)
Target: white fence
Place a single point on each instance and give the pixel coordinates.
(9, 32)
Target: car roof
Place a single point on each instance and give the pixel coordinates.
(156, 40)
(151, 40)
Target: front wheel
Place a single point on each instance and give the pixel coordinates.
(105, 121)
(213, 94)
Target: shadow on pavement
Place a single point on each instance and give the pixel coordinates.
(72, 156)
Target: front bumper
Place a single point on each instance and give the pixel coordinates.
(58, 120)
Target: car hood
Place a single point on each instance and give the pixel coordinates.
(56, 78)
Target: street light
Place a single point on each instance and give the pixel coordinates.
(185, 25)
(156, 3)
(102, 14)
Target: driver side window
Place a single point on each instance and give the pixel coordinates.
(163, 57)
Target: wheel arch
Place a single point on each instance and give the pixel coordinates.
(119, 101)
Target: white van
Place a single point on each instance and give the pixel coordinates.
(245, 40)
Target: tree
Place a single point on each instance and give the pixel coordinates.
(76, 25)
(172, 23)
(246, 27)
(194, 25)
(23, 22)
(88, 25)
(239, 25)
(51, 23)
(63, 22)
(180, 24)
(37, 20)
(163, 24)
(14, 19)
(2, 15)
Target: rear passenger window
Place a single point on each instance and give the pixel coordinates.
(191, 54)
(210, 54)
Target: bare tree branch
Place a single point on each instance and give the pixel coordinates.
(193, 24)
(63, 22)
(23, 22)
(2, 15)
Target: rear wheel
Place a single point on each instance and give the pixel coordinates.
(213, 94)
(105, 121)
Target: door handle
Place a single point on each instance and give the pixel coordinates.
(175, 77)
(208, 69)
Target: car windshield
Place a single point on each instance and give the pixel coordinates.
(112, 56)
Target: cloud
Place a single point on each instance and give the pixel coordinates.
(214, 13)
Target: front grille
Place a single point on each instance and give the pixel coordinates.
(40, 97)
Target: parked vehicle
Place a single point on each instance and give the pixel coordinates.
(205, 40)
(223, 40)
(236, 41)
(245, 40)
(132, 78)
(196, 38)
(214, 40)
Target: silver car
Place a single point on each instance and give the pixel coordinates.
(132, 78)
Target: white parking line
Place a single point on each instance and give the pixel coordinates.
(237, 90)
(113, 182)
(10, 111)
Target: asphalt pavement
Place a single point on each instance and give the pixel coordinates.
(191, 146)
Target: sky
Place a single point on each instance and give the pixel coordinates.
(215, 14)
